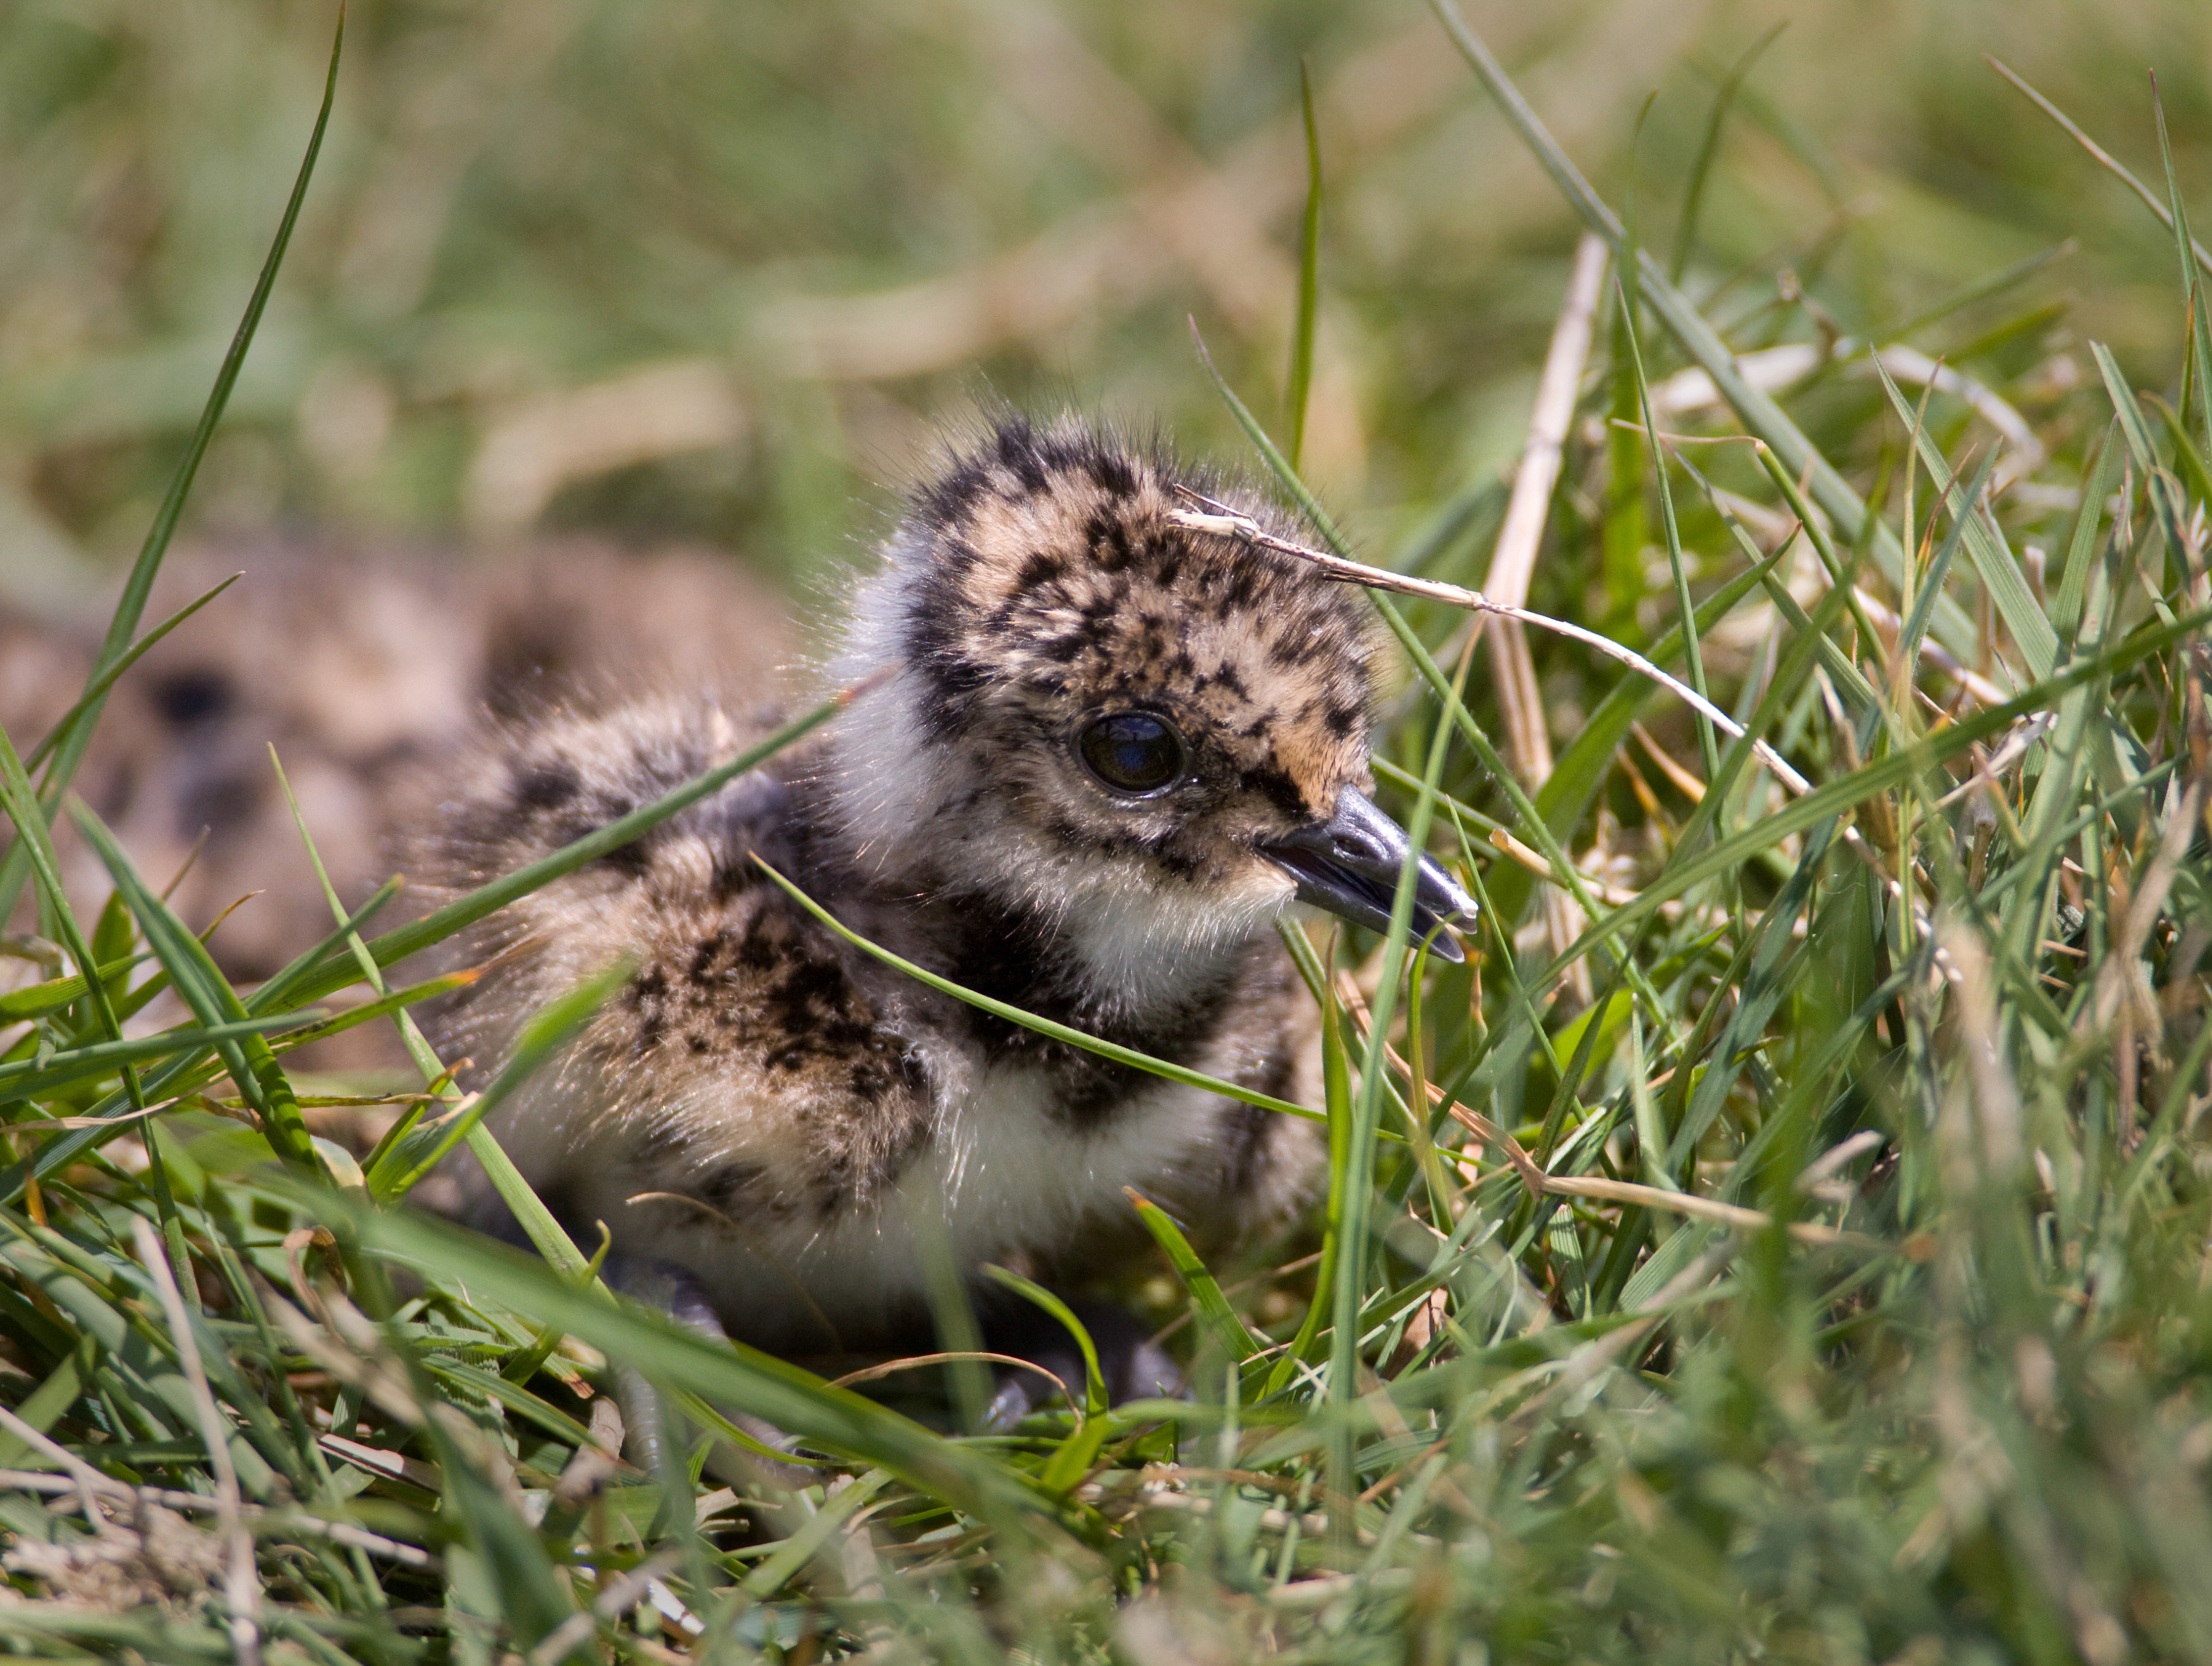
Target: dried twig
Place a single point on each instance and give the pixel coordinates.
(1513, 561)
(916, 1361)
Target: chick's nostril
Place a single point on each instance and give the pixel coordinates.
(1356, 845)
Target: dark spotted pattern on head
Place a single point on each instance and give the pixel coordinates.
(1048, 587)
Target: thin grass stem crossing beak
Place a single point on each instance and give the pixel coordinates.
(1349, 865)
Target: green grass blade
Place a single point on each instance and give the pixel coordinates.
(2156, 481)
(1708, 145)
(1686, 611)
(2082, 543)
(2192, 462)
(1216, 1319)
(802, 1546)
(36, 846)
(2104, 157)
(276, 993)
(1357, 1178)
(57, 992)
(1094, 1382)
(1931, 584)
(1757, 409)
(1300, 385)
(412, 1037)
(1061, 1032)
(532, 1598)
(1072, 1460)
(2192, 280)
(1336, 1095)
(193, 972)
(1849, 680)
(1982, 289)
(724, 1373)
(1999, 571)
(34, 842)
(546, 1234)
(1580, 771)
(1838, 796)
(62, 1070)
(402, 1167)
(391, 1000)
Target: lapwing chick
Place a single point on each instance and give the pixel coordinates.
(1100, 756)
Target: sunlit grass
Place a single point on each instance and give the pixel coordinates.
(1827, 1284)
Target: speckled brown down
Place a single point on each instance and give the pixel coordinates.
(390, 655)
(1110, 753)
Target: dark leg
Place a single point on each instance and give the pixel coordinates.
(676, 1292)
(1133, 1367)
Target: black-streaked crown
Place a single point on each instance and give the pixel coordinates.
(1088, 678)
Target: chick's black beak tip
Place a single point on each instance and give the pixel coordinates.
(1444, 944)
(1350, 864)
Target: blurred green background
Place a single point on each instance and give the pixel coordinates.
(713, 269)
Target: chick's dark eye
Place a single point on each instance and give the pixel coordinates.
(1132, 751)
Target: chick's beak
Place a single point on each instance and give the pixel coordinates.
(1350, 864)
